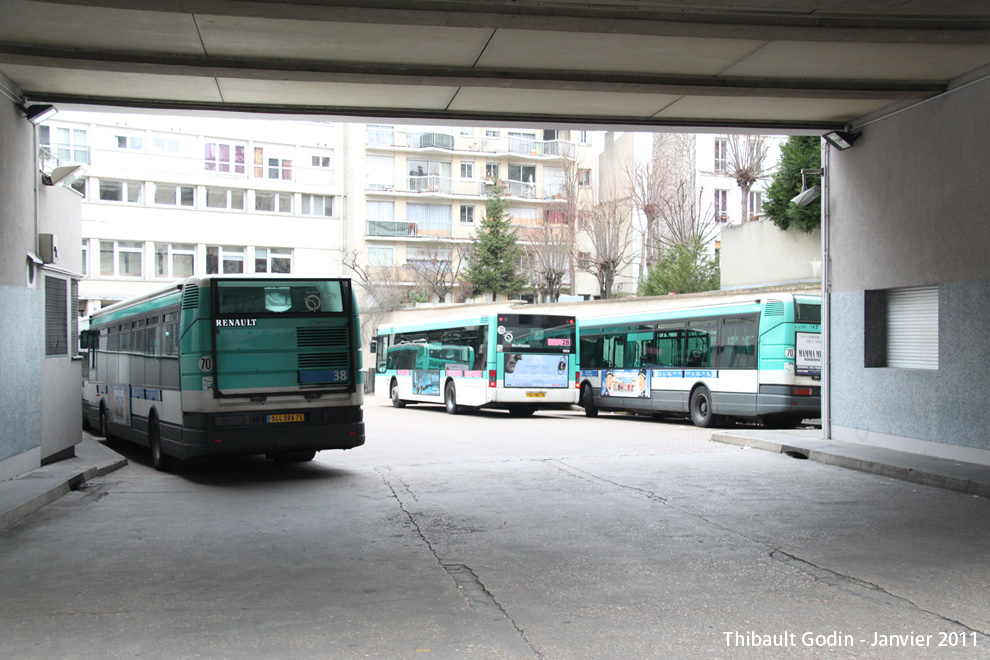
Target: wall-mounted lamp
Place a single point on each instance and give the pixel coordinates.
(841, 140)
(39, 113)
(63, 175)
(808, 195)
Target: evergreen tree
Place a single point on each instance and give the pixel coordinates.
(682, 268)
(495, 252)
(799, 152)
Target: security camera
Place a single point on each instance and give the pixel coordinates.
(808, 196)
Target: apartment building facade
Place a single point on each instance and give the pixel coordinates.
(169, 197)
(418, 193)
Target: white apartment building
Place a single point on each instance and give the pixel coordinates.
(168, 197)
(718, 187)
(165, 197)
(416, 192)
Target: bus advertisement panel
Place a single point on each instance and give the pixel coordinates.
(516, 362)
(229, 365)
(712, 359)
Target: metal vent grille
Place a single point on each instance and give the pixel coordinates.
(190, 297)
(321, 337)
(323, 361)
(774, 308)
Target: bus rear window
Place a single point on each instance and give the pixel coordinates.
(255, 297)
(807, 313)
(537, 332)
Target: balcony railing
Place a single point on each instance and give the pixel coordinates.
(430, 183)
(404, 229)
(559, 148)
(430, 140)
(56, 155)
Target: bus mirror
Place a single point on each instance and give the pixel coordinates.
(373, 347)
(84, 340)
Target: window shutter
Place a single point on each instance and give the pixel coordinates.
(912, 328)
(56, 317)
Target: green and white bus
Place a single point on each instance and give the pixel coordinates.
(228, 365)
(716, 359)
(517, 362)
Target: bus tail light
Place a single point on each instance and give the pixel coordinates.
(801, 391)
(491, 378)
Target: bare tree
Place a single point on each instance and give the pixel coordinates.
(548, 248)
(654, 184)
(745, 156)
(606, 224)
(684, 219)
(383, 290)
(438, 269)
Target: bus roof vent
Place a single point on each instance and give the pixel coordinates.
(774, 308)
(190, 297)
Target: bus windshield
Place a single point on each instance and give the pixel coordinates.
(254, 297)
(536, 333)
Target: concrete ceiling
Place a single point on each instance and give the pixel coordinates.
(785, 64)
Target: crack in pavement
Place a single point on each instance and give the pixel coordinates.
(468, 583)
(819, 573)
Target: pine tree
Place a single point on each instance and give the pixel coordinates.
(682, 268)
(799, 152)
(495, 251)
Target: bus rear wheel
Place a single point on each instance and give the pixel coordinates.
(588, 401)
(162, 461)
(701, 408)
(450, 399)
(394, 394)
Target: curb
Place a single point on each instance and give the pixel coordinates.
(26, 494)
(914, 468)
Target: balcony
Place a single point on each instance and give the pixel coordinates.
(430, 141)
(51, 156)
(430, 183)
(404, 229)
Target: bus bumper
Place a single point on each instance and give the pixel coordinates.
(251, 433)
(778, 400)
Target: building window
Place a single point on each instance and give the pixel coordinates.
(902, 328)
(175, 261)
(272, 260)
(755, 205)
(584, 178)
(721, 206)
(429, 176)
(491, 171)
(85, 257)
(492, 132)
(70, 144)
(317, 205)
(168, 194)
(165, 145)
(381, 256)
(121, 258)
(131, 142)
(467, 170)
(272, 202)
(225, 158)
(130, 192)
(554, 217)
(225, 198)
(381, 134)
(225, 259)
(721, 155)
(584, 260)
(380, 210)
(322, 161)
(56, 316)
(584, 137)
(466, 130)
(467, 214)
(275, 168)
(381, 173)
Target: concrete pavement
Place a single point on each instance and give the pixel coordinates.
(22, 496)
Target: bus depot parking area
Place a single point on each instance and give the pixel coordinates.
(490, 536)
